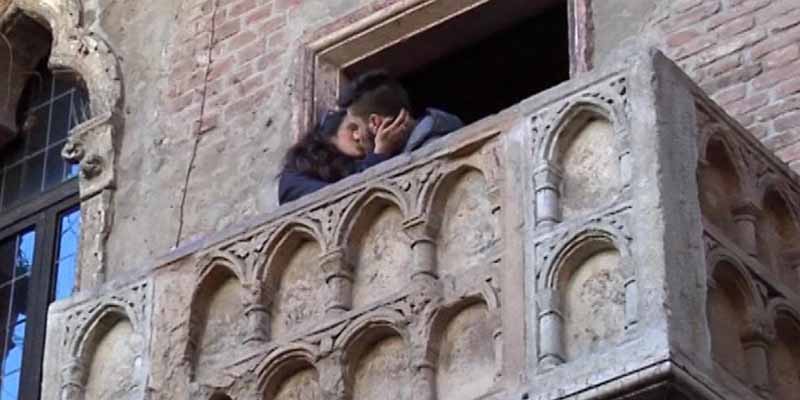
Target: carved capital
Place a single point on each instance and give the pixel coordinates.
(758, 334)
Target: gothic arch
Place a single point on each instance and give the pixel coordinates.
(91, 144)
(559, 133)
(739, 276)
(293, 229)
(87, 54)
(213, 277)
(282, 364)
(434, 195)
(97, 325)
(376, 196)
(590, 239)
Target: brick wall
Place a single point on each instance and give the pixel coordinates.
(219, 67)
(746, 54)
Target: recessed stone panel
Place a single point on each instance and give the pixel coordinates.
(298, 297)
(302, 385)
(784, 360)
(383, 372)
(224, 325)
(383, 257)
(465, 367)
(594, 301)
(590, 165)
(113, 365)
(726, 322)
(468, 228)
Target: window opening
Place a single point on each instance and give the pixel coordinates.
(51, 105)
(489, 62)
(39, 205)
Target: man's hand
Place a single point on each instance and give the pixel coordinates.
(391, 135)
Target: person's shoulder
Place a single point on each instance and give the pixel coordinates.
(442, 120)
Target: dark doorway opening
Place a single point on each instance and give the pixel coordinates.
(482, 61)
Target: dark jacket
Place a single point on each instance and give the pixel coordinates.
(292, 185)
(434, 123)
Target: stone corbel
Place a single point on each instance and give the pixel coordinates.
(72, 380)
(90, 145)
(547, 181)
(338, 275)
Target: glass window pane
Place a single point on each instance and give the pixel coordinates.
(72, 170)
(25, 252)
(32, 181)
(59, 119)
(7, 262)
(15, 339)
(68, 240)
(36, 129)
(54, 171)
(11, 185)
(14, 151)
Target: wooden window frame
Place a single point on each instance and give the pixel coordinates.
(41, 214)
(343, 43)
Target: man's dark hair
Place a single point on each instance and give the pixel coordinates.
(374, 92)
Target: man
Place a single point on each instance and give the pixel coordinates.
(374, 99)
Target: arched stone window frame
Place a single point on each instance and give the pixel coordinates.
(91, 144)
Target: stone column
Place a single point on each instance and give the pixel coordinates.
(745, 217)
(423, 249)
(547, 180)
(332, 383)
(257, 314)
(338, 275)
(72, 380)
(551, 328)
(423, 381)
(756, 340)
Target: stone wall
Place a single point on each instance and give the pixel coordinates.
(211, 87)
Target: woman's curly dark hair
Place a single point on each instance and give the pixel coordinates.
(316, 156)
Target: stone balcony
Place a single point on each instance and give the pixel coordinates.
(618, 236)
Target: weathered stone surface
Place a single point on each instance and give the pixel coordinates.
(383, 371)
(647, 219)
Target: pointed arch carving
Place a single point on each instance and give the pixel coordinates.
(282, 364)
(604, 236)
(89, 55)
(555, 135)
(290, 276)
(220, 282)
(102, 319)
(383, 195)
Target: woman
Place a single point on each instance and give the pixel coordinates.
(341, 145)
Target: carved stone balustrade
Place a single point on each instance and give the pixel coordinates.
(618, 235)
